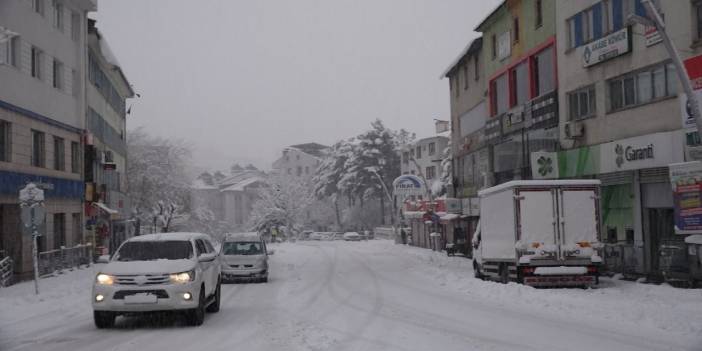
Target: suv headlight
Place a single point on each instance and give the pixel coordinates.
(183, 277)
(104, 279)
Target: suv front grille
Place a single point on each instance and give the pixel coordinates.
(161, 294)
(149, 279)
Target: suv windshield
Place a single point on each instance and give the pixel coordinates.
(155, 250)
(242, 248)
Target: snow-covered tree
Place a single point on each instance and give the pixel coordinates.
(157, 179)
(283, 201)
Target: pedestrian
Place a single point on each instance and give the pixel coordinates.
(403, 234)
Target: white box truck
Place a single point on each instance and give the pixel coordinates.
(539, 232)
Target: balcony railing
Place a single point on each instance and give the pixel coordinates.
(63, 258)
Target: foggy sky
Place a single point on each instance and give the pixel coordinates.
(241, 79)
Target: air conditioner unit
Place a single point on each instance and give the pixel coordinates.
(574, 130)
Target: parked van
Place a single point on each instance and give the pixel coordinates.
(245, 257)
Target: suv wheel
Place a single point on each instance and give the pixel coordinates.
(104, 319)
(197, 315)
(214, 306)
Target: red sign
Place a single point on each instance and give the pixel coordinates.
(693, 66)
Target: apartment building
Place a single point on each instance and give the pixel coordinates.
(107, 211)
(519, 60)
(42, 109)
(300, 161)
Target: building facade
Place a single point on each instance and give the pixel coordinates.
(622, 120)
(423, 158)
(42, 109)
(230, 199)
(107, 211)
(519, 60)
(300, 161)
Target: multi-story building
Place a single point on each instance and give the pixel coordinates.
(519, 60)
(42, 109)
(423, 158)
(300, 161)
(471, 155)
(621, 119)
(107, 207)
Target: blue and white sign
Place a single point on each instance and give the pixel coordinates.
(407, 185)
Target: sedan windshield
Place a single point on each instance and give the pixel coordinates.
(155, 250)
(242, 248)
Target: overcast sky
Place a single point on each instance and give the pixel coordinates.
(241, 79)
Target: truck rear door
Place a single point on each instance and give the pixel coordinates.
(537, 220)
(578, 221)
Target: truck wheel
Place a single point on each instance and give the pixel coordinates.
(476, 271)
(196, 316)
(104, 319)
(214, 306)
(504, 273)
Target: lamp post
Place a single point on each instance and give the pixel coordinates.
(393, 218)
(654, 19)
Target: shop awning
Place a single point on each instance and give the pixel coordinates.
(450, 217)
(104, 207)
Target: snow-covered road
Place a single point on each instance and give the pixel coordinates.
(368, 296)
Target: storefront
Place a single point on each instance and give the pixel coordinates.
(636, 196)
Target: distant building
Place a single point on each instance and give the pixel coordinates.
(230, 199)
(300, 161)
(107, 206)
(42, 118)
(424, 156)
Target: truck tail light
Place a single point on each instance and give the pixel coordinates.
(536, 245)
(528, 270)
(584, 244)
(592, 269)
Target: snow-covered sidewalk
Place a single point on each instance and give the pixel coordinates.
(656, 307)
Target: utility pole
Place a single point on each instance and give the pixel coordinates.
(654, 19)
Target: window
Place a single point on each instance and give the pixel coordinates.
(299, 171)
(581, 103)
(405, 157)
(58, 14)
(75, 26)
(465, 77)
(5, 133)
(77, 229)
(643, 86)
(10, 51)
(59, 230)
(432, 149)
(419, 152)
(38, 6)
(544, 72)
(476, 74)
(38, 149)
(698, 19)
(36, 62)
(500, 95)
(456, 84)
(59, 154)
(515, 28)
(200, 247)
(57, 74)
(431, 172)
(494, 46)
(520, 83)
(539, 14)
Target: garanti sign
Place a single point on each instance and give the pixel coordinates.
(605, 48)
(648, 151)
(407, 185)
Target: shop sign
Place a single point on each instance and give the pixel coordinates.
(686, 182)
(647, 151)
(603, 49)
(544, 165)
(653, 37)
(693, 66)
(453, 205)
(688, 121)
(407, 185)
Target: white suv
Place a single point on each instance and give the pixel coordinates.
(159, 272)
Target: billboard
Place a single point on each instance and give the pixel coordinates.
(686, 180)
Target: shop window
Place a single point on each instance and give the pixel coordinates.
(612, 235)
(629, 235)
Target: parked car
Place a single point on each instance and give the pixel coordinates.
(159, 272)
(317, 236)
(352, 236)
(245, 257)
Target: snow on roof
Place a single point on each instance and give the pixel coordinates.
(518, 183)
(470, 49)
(694, 239)
(241, 186)
(313, 149)
(449, 217)
(201, 185)
(168, 237)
